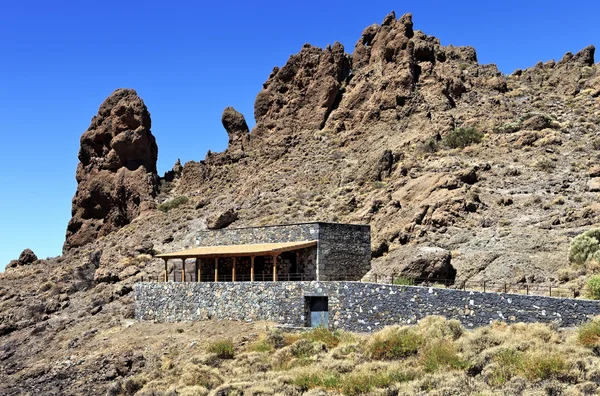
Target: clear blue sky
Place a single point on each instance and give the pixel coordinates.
(188, 61)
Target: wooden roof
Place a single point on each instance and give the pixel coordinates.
(259, 249)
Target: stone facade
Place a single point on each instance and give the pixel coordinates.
(343, 251)
(353, 306)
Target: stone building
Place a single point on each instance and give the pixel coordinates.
(292, 252)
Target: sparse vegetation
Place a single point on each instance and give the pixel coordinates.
(545, 164)
(435, 354)
(403, 281)
(584, 247)
(593, 287)
(224, 348)
(173, 203)
(462, 137)
(394, 343)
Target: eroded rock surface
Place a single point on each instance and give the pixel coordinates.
(117, 169)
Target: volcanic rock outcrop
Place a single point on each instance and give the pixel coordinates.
(26, 257)
(117, 169)
(302, 93)
(237, 129)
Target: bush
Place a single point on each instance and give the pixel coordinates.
(354, 383)
(327, 337)
(593, 287)
(508, 364)
(589, 334)
(195, 375)
(394, 343)
(173, 203)
(403, 281)
(583, 246)
(462, 137)
(223, 348)
(543, 366)
(441, 354)
(430, 146)
(261, 345)
(545, 164)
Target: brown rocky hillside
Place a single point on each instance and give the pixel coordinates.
(374, 134)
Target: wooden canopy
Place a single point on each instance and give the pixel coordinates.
(259, 249)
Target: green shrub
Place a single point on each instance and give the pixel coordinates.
(593, 287)
(508, 364)
(431, 145)
(543, 366)
(327, 337)
(312, 379)
(462, 137)
(261, 345)
(441, 354)
(354, 383)
(173, 203)
(589, 333)
(583, 246)
(403, 281)
(223, 348)
(394, 343)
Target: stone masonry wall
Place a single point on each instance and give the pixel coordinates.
(353, 306)
(343, 251)
(268, 234)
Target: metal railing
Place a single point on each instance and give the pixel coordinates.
(473, 285)
(533, 289)
(259, 277)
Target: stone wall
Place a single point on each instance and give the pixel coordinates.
(267, 234)
(343, 251)
(353, 306)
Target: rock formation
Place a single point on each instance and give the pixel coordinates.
(26, 257)
(237, 130)
(117, 169)
(302, 93)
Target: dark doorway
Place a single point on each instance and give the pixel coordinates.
(316, 311)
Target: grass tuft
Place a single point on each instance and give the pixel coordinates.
(394, 343)
(224, 348)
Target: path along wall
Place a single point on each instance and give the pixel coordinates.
(353, 306)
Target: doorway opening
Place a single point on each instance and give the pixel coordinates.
(316, 311)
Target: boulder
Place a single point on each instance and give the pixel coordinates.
(416, 262)
(26, 257)
(222, 220)
(594, 184)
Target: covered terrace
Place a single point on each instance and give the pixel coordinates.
(248, 262)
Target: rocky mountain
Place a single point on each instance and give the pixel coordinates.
(444, 157)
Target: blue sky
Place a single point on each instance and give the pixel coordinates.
(188, 61)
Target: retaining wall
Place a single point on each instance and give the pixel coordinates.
(353, 306)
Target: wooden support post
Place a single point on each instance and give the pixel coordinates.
(166, 260)
(275, 268)
(183, 270)
(252, 269)
(233, 271)
(198, 270)
(216, 269)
